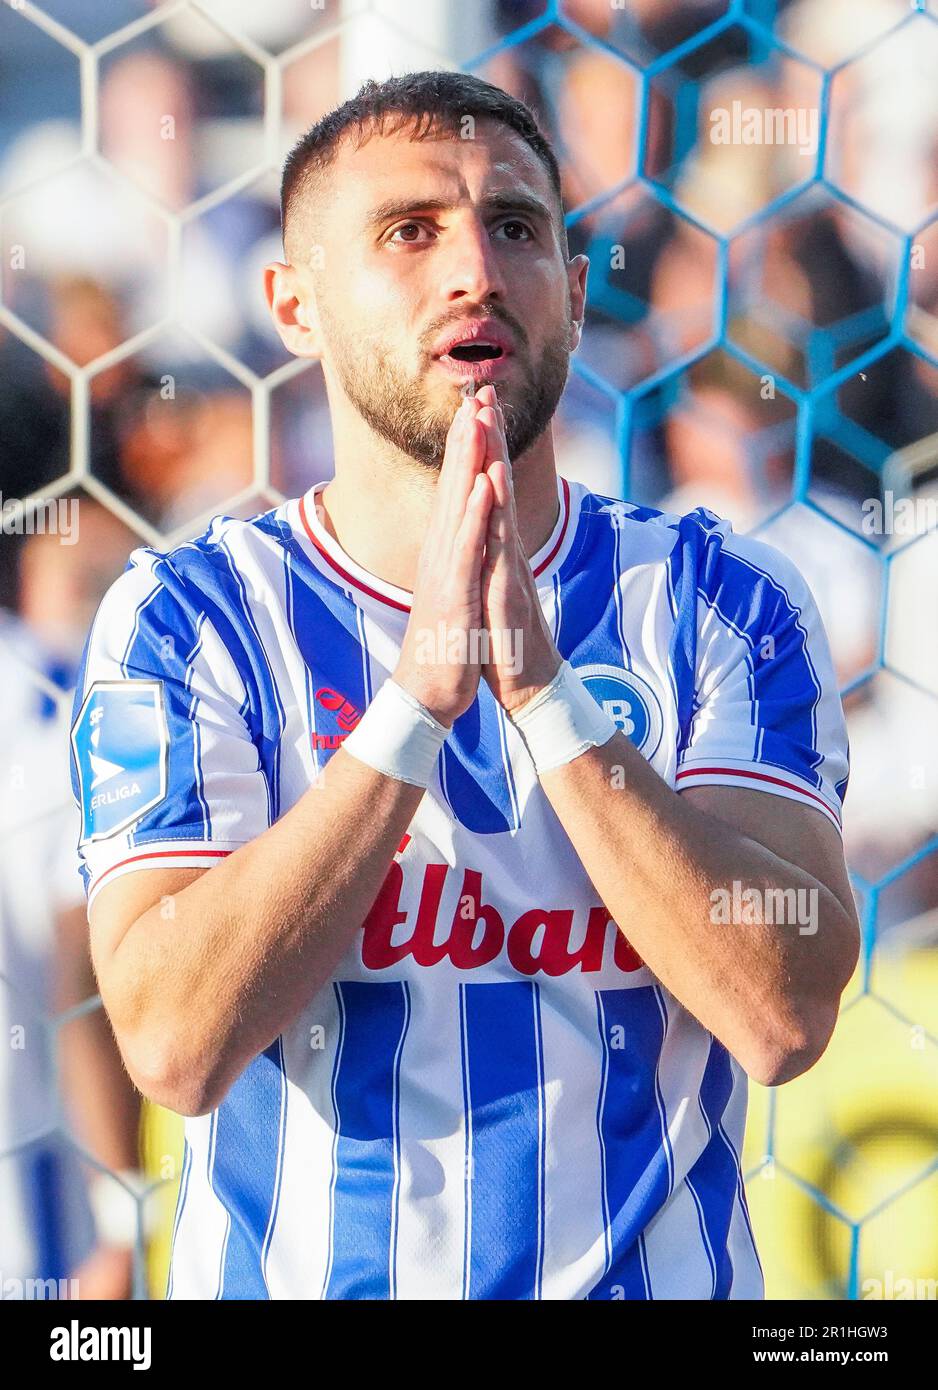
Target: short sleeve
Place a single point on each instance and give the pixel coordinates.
(164, 767)
(767, 713)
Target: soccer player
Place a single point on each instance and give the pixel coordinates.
(406, 805)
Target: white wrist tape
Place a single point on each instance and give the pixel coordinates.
(561, 721)
(398, 736)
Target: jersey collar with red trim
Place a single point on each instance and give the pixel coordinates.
(334, 560)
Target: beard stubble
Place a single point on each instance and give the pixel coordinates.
(393, 404)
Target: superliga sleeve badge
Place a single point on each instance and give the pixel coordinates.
(120, 743)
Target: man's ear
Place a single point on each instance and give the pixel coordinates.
(293, 310)
(577, 271)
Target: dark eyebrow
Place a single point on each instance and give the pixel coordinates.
(393, 208)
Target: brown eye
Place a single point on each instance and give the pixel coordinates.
(516, 231)
(409, 231)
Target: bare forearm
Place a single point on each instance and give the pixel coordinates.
(198, 985)
(205, 981)
(655, 861)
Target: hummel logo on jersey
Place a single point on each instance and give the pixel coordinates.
(346, 714)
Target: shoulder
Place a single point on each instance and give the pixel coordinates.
(710, 572)
(598, 513)
(203, 574)
(699, 545)
(194, 598)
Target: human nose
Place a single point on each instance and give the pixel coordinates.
(472, 269)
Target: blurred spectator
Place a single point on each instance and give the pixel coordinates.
(274, 26)
(46, 1228)
(730, 449)
(61, 1217)
(35, 402)
(597, 113)
(90, 291)
(60, 586)
(186, 455)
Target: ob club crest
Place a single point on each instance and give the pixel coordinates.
(630, 703)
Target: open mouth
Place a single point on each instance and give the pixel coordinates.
(479, 350)
(475, 352)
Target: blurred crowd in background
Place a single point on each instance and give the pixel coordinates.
(705, 318)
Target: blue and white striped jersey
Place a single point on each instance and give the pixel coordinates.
(493, 1097)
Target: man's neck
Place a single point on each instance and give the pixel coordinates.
(378, 505)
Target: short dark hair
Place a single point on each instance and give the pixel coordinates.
(428, 101)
